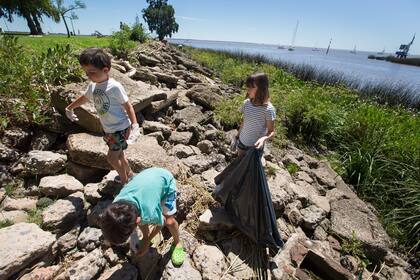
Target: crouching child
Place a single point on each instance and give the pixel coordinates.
(148, 199)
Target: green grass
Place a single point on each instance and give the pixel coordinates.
(292, 168)
(35, 216)
(375, 143)
(5, 223)
(41, 44)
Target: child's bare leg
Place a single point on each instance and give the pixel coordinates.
(147, 237)
(173, 228)
(126, 165)
(113, 158)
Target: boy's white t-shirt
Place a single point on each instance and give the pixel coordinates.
(108, 98)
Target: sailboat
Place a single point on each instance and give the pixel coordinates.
(329, 45)
(354, 50)
(292, 46)
(382, 52)
(315, 49)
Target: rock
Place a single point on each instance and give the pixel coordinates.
(42, 163)
(302, 191)
(321, 202)
(159, 137)
(5, 176)
(86, 268)
(68, 241)
(60, 185)
(205, 146)
(326, 267)
(91, 151)
(148, 264)
(297, 254)
(206, 96)
(186, 196)
(64, 214)
(216, 219)
(145, 75)
(190, 115)
(312, 216)
(7, 154)
(141, 95)
(150, 126)
(303, 176)
(200, 163)
(180, 137)
(16, 216)
(43, 140)
(2, 194)
(111, 256)
(278, 185)
(285, 229)
(394, 273)
(21, 245)
(147, 60)
(170, 80)
(45, 273)
(16, 138)
(93, 215)
(26, 204)
(325, 174)
(159, 105)
(185, 272)
(109, 186)
(208, 178)
(352, 216)
(92, 193)
(118, 67)
(291, 211)
(124, 271)
(89, 239)
(84, 174)
(210, 261)
(182, 151)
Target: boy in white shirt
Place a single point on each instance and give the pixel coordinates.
(115, 112)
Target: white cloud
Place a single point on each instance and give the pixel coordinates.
(190, 18)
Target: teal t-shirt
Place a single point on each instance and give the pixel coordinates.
(146, 191)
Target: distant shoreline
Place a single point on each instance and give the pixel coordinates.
(413, 61)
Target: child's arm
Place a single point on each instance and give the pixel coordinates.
(76, 103)
(270, 134)
(130, 112)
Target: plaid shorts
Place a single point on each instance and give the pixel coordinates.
(118, 140)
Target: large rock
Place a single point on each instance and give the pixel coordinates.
(94, 214)
(68, 241)
(206, 96)
(145, 75)
(43, 140)
(216, 219)
(170, 80)
(140, 95)
(15, 216)
(42, 163)
(182, 151)
(312, 216)
(86, 268)
(85, 174)
(352, 216)
(278, 186)
(7, 154)
(171, 98)
(16, 138)
(151, 126)
(21, 245)
(124, 271)
(26, 204)
(91, 150)
(64, 214)
(210, 261)
(180, 137)
(89, 239)
(200, 163)
(185, 272)
(59, 186)
(190, 115)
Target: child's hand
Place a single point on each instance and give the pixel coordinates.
(260, 142)
(71, 115)
(134, 134)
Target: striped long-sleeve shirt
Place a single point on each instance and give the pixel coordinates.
(255, 121)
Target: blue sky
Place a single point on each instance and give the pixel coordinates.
(369, 24)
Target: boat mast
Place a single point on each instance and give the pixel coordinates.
(328, 49)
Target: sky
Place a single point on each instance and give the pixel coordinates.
(370, 25)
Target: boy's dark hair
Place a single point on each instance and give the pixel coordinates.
(118, 221)
(259, 80)
(96, 57)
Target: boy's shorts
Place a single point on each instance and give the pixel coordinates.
(118, 140)
(169, 205)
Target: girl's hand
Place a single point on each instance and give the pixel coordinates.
(260, 142)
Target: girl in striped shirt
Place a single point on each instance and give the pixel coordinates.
(258, 115)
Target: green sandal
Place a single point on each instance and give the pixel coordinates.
(178, 255)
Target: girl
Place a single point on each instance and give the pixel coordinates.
(258, 115)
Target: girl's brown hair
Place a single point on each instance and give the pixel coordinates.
(259, 80)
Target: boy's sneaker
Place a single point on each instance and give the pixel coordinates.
(177, 256)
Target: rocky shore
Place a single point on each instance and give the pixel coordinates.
(55, 182)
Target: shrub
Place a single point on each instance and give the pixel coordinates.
(121, 44)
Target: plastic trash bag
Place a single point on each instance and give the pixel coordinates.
(243, 190)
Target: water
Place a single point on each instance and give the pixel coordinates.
(353, 66)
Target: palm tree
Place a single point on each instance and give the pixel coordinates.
(62, 10)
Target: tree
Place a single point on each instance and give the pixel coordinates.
(31, 10)
(62, 10)
(160, 17)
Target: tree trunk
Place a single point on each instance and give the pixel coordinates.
(67, 28)
(37, 24)
(31, 24)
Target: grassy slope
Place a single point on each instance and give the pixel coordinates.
(377, 147)
(41, 44)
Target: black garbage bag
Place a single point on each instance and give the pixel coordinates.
(242, 188)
